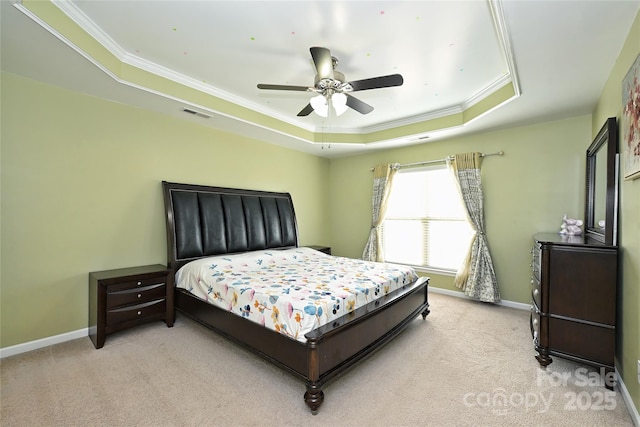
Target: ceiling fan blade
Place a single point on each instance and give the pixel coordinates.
(284, 87)
(323, 62)
(377, 82)
(360, 106)
(305, 111)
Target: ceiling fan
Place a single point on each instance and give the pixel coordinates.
(332, 87)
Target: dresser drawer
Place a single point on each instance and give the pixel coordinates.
(534, 324)
(134, 312)
(539, 326)
(536, 292)
(536, 257)
(136, 295)
(592, 342)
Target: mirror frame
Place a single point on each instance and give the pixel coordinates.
(607, 139)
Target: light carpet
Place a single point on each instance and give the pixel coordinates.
(467, 364)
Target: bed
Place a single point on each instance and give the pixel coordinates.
(212, 230)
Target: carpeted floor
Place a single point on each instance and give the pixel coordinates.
(468, 364)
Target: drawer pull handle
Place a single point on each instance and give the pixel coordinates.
(536, 292)
(139, 283)
(139, 295)
(139, 313)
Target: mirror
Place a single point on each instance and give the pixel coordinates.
(601, 202)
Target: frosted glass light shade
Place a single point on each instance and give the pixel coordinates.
(339, 101)
(320, 105)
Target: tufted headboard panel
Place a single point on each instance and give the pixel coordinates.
(206, 221)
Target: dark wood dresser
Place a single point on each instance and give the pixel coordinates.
(126, 297)
(573, 310)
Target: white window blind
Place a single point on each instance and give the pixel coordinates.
(426, 224)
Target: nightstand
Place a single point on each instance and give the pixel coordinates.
(126, 297)
(325, 249)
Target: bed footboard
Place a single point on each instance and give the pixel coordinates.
(336, 347)
(330, 349)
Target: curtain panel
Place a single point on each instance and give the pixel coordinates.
(382, 180)
(476, 276)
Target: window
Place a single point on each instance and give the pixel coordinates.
(426, 224)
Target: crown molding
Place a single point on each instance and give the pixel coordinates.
(502, 32)
(82, 20)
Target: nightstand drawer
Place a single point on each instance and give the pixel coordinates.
(134, 312)
(136, 295)
(136, 284)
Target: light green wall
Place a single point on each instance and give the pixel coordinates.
(528, 190)
(81, 192)
(628, 343)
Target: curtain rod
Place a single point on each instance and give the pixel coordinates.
(428, 162)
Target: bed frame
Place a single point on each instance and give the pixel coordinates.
(205, 221)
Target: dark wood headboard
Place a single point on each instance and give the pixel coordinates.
(205, 221)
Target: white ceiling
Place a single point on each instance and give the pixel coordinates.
(555, 57)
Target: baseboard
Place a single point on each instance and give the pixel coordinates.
(41, 343)
(631, 407)
(510, 304)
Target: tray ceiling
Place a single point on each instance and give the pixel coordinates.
(467, 65)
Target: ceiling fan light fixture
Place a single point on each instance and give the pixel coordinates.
(330, 86)
(320, 105)
(339, 101)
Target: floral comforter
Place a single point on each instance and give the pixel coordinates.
(291, 291)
